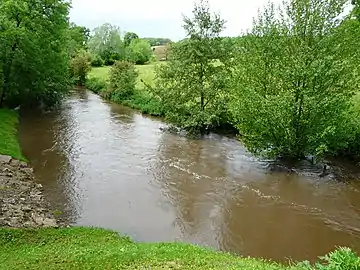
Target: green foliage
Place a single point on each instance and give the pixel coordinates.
(145, 103)
(129, 36)
(96, 61)
(33, 51)
(122, 81)
(9, 144)
(80, 66)
(78, 38)
(139, 51)
(340, 259)
(295, 80)
(95, 84)
(106, 42)
(193, 84)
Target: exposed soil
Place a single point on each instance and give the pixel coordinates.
(21, 201)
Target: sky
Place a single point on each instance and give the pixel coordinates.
(161, 18)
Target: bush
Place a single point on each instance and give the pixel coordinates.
(80, 66)
(147, 104)
(122, 81)
(97, 61)
(96, 85)
(342, 258)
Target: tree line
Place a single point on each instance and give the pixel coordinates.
(290, 85)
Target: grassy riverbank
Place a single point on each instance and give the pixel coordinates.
(141, 100)
(9, 144)
(88, 248)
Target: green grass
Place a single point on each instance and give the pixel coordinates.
(90, 248)
(9, 144)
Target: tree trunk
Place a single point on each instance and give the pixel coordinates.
(202, 102)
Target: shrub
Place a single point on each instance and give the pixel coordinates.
(97, 61)
(122, 80)
(96, 85)
(80, 66)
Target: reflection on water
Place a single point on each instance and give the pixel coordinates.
(106, 165)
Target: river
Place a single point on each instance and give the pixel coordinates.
(106, 165)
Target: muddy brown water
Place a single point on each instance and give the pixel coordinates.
(106, 165)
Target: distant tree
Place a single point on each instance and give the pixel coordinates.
(192, 84)
(139, 51)
(129, 36)
(296, 75)
(78, 38)
(106, 42)
(157, 41)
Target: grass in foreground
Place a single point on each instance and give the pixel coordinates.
(9, 144)
(87, 248)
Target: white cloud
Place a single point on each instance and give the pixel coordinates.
(160, 18)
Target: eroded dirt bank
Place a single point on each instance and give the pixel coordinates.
(21, 201)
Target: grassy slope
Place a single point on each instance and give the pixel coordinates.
(9, 144)
(86, 248)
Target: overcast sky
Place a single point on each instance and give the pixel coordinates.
(160, 18)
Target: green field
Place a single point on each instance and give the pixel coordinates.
(9, 144)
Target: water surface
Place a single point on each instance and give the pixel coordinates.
(106, 165)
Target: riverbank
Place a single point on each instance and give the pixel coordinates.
(21, 200)
(91, 248)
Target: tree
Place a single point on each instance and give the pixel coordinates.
(78, 38)
(106, 42)
(192, 84)
(122, 81)
(33, 51)
(139, 51)
(129, 36)
(80, 66)
(295, 78)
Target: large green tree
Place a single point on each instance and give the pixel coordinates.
(128, 37)
(192, 85)
(296, 75)
(139, 51)
(33, 51)
(106, 42)
(78, 38)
